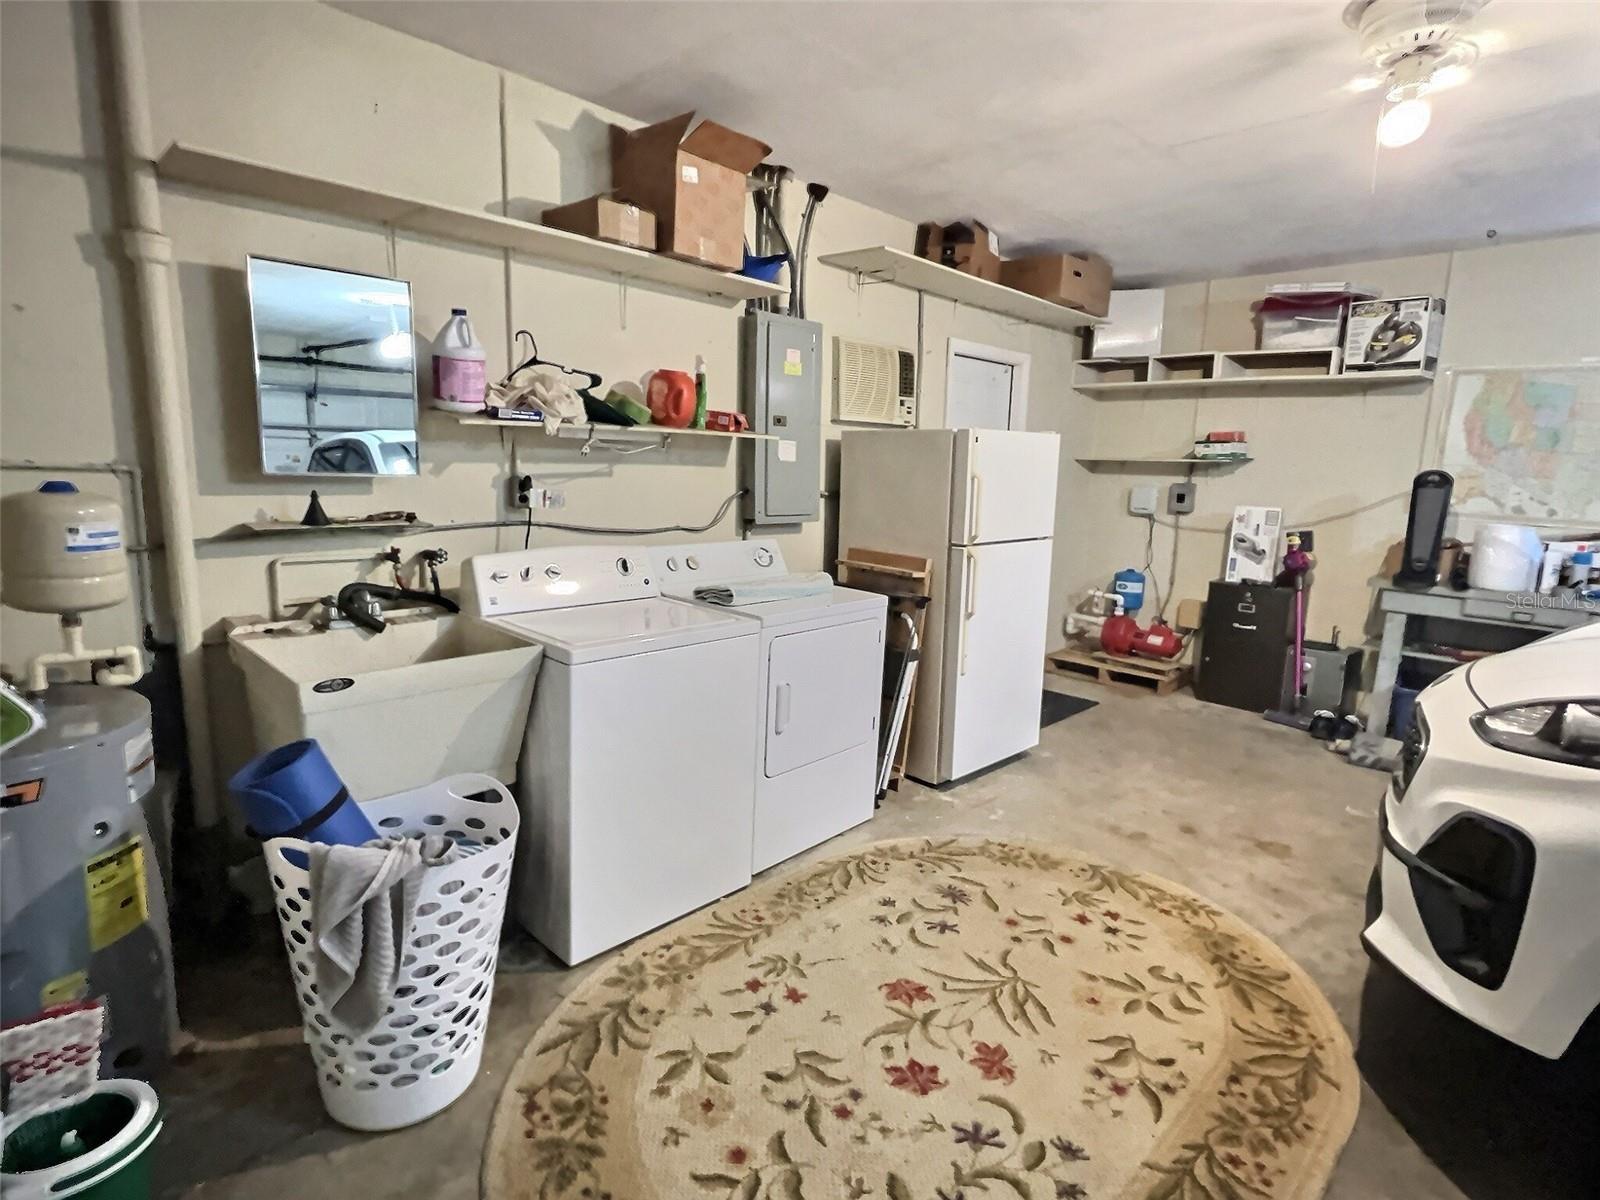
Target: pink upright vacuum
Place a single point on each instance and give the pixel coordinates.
(1297, 564)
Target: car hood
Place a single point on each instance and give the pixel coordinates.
(1565, 666)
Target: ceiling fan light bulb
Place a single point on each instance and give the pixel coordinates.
(1403, 123)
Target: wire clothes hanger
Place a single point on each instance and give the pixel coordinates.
(533, 360)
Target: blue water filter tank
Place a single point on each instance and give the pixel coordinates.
(1129, 584)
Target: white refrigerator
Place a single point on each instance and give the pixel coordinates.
(981, 504)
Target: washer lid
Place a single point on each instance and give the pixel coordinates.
(595, 632)
(840, 603)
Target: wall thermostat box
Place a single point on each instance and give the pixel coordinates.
(873, 384)
(1142, 500)
(780, 387)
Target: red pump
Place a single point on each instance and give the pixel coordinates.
(1122, 635)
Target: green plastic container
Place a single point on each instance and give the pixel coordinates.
(96, 1148)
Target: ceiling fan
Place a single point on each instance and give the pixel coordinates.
(1415, 48)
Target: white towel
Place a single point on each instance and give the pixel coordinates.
(363, 901)
(760, 591)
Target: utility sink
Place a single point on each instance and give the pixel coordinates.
(430, 696)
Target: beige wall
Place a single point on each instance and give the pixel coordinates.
(320, 91)
(1339, 464)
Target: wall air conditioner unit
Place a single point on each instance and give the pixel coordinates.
(873, 385)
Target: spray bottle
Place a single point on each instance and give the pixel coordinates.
(699, 393)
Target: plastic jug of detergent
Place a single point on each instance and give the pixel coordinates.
(460, 367)
(671, 397)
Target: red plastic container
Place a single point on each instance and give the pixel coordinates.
(671, 399)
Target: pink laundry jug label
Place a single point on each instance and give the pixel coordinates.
(459, 380)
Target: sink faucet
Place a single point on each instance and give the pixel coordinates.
(361, 603)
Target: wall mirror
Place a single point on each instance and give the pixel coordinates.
(336, 384)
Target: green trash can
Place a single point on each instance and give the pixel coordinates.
(93, 1148)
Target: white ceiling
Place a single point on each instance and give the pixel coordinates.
(1182, 140)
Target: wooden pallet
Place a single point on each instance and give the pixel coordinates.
(1147, 674)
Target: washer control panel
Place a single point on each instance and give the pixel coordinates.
(520, 581)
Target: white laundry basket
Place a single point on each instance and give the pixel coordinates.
(425, 1051)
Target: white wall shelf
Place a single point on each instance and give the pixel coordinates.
(1140, 461)
(1231, 371)
(589, 432)
(884, 264)
(227, 173)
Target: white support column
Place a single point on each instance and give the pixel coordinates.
(150, 252)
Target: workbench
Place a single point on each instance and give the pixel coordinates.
(1506, 610)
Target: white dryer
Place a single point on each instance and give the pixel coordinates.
(821, 682)
(637, 776)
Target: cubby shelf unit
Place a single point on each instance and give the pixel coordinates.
(228, 173)
(885, 264)
(1238, 371)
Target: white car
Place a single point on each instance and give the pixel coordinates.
(366, 452)
(1487, 890)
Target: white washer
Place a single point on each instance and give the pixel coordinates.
(821, 685)
(636, 781)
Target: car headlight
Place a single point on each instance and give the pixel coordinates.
(1562, 731)
(1412, 748)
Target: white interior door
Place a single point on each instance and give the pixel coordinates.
(998, 602)
(979, 393)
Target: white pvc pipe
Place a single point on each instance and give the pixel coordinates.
(150, 252)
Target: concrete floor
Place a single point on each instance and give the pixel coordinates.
(1255, 817)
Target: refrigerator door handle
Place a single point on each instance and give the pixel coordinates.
(973, 509)
(780, 708)
(969, 606)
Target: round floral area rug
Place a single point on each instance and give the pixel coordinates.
(936, 1020)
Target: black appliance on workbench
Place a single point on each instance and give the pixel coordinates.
(1246, 639)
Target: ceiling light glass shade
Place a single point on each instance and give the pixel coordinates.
(1403, 123)
(396, 345)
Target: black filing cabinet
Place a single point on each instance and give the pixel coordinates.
(1246, 638)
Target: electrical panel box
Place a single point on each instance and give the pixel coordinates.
(780, 387)
(1142, 500)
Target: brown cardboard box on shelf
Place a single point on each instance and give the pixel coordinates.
(968, 246)
(1077, 282)
(606, 218)
(693, 180)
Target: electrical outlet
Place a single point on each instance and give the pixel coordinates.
(1180, 498)
(522, 492)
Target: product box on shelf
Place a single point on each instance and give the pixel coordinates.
(606, 218)
(1077, 281)
(968, 246)
(1306, 316)
(1402, 334)
(1253, 544)
(692, 177)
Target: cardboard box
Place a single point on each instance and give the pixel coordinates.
(1077, 282)
(1393, 335)
(692, 177)
(968, 246)
(1253, 551)
(606, 218)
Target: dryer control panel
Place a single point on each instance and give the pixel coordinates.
(718, 562)
(520, 581)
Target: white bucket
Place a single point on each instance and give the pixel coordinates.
(1505, 558)
(424, 1053)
